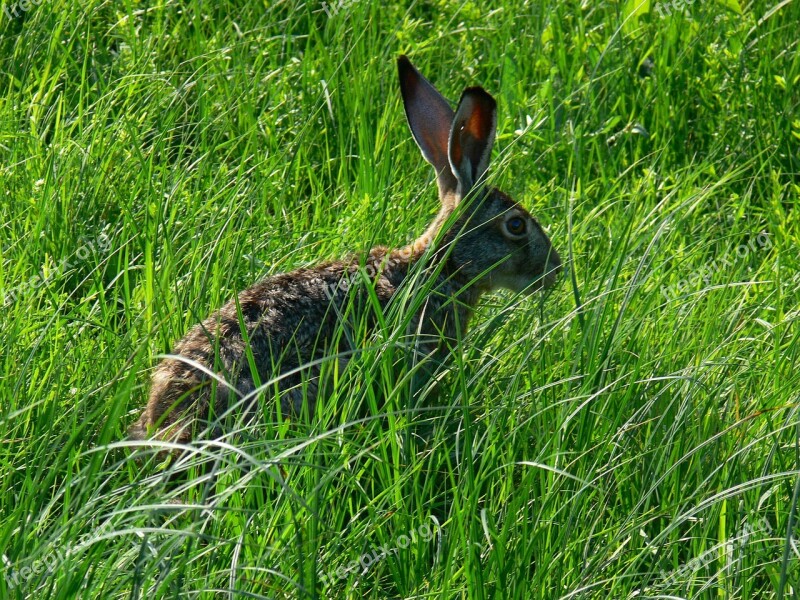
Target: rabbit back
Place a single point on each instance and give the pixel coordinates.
(289, 321)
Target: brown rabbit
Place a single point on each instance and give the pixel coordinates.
(291, 319)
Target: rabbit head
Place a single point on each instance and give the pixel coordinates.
(493, 241)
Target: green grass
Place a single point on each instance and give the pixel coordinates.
(634, 434)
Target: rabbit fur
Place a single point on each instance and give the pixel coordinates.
(291, 319)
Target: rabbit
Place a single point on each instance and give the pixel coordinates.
(291, 318)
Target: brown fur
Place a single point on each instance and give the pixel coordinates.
(290, 319)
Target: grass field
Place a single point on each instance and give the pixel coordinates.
(633, 434)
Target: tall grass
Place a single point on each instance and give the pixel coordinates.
(635, 433)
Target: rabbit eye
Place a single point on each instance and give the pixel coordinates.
(515, 226)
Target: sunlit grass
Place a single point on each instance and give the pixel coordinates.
(634, 433)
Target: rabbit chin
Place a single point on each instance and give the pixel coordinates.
(522, 284)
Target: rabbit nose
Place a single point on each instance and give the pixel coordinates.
(552, 268)
(554, 262)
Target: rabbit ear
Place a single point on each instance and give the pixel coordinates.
(429, 118)
(471, 137)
